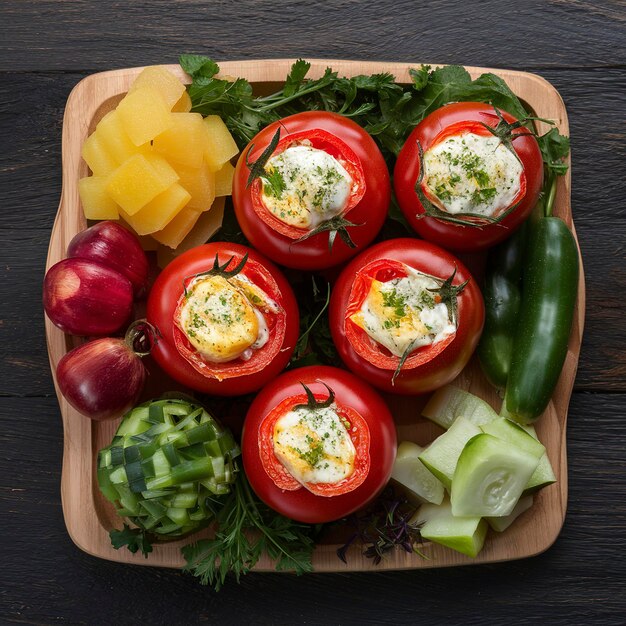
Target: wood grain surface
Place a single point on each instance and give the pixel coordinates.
(48, 47)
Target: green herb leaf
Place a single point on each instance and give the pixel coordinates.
(133, 538)
(293, 81)
(554, 149)
(197, 65)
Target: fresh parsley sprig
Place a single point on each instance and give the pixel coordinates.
(247, 529)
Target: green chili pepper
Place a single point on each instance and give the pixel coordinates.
(502, 294)
(549, 290)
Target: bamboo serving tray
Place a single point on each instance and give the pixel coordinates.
(89, 516)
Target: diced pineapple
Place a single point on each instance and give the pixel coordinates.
(97, 157)
(97, 204)
(144, 115)
(185, 141)
(164, 170)
(158, 212)
(183, 105)
(115, 139)
(135, 183)
(222, 146)
(178, 228)
(207, 225)
(160, 78)
(224, 180)
(200, 183)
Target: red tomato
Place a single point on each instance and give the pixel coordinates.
(367, 206)
(177, 356)
(427, 367)
(474, 233)
(371, 429)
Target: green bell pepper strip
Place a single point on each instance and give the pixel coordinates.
(550, 285)
(503, 297)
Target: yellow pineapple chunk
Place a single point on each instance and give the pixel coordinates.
(115, 139)
(144, 115)
(224, 180)
(163, 169)
(178, 228)
(162, 80)
(200, 183)
(158, 212)
(183, 105)
(135, 183)
(185, 141)
(207, 225)
(97, 204)
(97, 157)
(222, 146)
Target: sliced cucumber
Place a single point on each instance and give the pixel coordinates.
(442, 455)
(463, 534)
(500, 524)
(450, 402)
(544, 474)
(505, 429)
(410, 473)
(490, 476)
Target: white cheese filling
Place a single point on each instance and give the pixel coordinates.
(314, 445)
(403, 312)
(305, 186)
(472, 173)
(222, 318)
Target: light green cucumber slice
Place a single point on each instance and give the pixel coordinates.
(463, 534)
(442, 454)
(449, 402)
(500, 524)
(505, 429)
(490, 476)
(544, 474)
(413, 477)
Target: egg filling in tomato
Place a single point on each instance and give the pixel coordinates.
(405, 312)
(221, 317)
(304, 186)
(472, 173)
(314, 445)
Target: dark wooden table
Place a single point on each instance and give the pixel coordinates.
(47, 47)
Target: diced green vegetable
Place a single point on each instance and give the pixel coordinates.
(166, 459)
(450, 402)
(544, 474)
(411, 474)
(490, 477)
(463, 534)
(507, 430)
(500, 524)
(442, 455)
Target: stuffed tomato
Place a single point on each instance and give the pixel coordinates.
(226, 317)
(406, 316)
(311, 190)
(468, 176)
(318, 444)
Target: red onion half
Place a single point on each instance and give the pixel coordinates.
(102, 379)
(114, 246)
(84, 297)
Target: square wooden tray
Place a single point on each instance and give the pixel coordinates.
(89, 516)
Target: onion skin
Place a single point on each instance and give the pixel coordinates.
(112, 245)
(101, 379)
(84, 297)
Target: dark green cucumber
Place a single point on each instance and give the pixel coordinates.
(502, 294)
(550, 286)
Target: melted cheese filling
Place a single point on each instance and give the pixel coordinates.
(314, 445)
(402, 313)
(305, 186)
(472, 174)
(222, 318)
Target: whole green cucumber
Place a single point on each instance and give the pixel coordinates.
(549, 290)
(502, 294)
